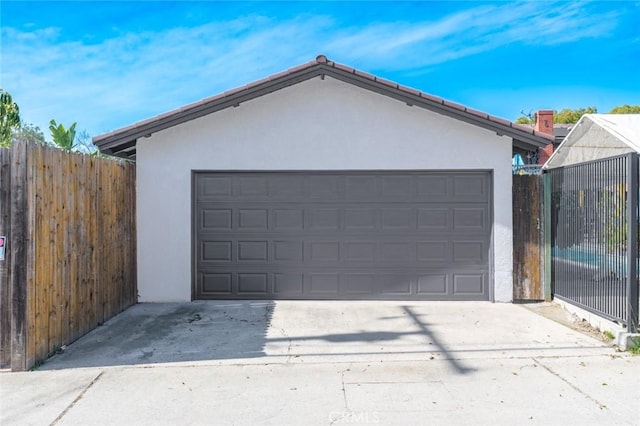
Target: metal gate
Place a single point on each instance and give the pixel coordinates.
(595, 237)
(342, 235)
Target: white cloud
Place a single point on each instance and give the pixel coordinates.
(472, 31)
(113, 82)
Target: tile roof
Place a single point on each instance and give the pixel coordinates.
(122, 141)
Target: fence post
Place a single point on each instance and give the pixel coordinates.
(546, 227)
(5, 288)
(632, 243)
(18, 280)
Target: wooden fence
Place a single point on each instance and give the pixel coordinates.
(528, 238)
(70, 261)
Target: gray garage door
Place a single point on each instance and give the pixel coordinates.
(342, 235)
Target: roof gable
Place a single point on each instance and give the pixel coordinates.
(598, 136)
(122, 142)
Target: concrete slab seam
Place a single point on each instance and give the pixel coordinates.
(78, 398)
(574, 387)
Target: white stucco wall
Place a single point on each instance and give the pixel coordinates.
(314, 125)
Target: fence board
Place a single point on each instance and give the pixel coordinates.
(5, 293)
(72, 221)
(527, 238)
(18, 267)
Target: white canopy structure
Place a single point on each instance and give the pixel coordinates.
(597, 136)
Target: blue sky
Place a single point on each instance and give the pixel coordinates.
(109, 64)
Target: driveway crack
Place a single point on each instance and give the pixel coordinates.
(78, 398)
(574, 387)
(284, 334)
(344, 389)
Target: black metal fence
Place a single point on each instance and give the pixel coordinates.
(594, 240)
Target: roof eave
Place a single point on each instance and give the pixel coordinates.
(524, 137)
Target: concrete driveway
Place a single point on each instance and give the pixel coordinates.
(328, 363)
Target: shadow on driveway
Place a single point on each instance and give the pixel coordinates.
(216, 330)
(256, 332)
(172, 332)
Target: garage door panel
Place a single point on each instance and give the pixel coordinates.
(216, 284)
(470, 252)
(288, 284)
(216, 219)
(214, 187)
(360, 283)
(433, 251)
(252, 251)
(325, 187)
(398, 218)
(397, 251)
(252, 283)
(286, 186)
(359, 251)
(470, 218)
(342, 235)
(252, 219)
(287, 219)
(361, 218)
(398, 187)
(323, 219)
(361, 187)
(434, 188)
(432, 285)
(323, 251)
(469, 284)
(217, 251)
(434, 219)
(252, 186)
(288, 251)
(396, 284)
(471, 188)
(324, 284)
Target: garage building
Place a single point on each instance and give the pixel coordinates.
(323, 182)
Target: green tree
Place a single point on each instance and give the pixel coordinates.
(62, 137)
(571, 116)
(626, 109)
(29, 133)
(9, 118)
(524, 120)
(564, 116)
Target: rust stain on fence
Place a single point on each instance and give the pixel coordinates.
(79, 244)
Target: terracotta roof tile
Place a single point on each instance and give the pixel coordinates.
(432, 98)
(301, 67)
(454, 105)
(258, 82)
(387, 82)
(279, 75)
(409, 90)
(343, 68)
(499, 120)
(477, 113)
(365, 75)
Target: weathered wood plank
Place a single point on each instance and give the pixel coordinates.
(5, 293)
(527, 238)
(32, 171)
(19, 226)
(74, 235)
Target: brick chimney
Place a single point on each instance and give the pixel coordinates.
(544, 124)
